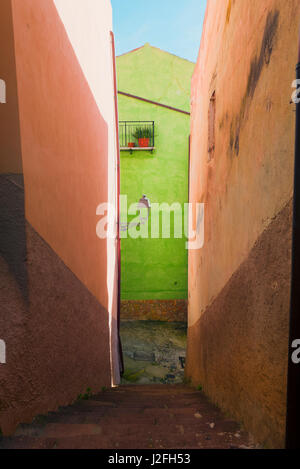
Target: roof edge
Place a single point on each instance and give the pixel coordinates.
(166, 106)
(147, 44)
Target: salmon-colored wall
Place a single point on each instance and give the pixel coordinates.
(242, 191)
(10, 154)
(64, 143)
(59, 295)
(247, 57)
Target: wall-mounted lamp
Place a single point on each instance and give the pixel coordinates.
(143, 203)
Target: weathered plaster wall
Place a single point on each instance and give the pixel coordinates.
(56, 332)
(10, 156)
(155, 269)
(12, 229)
(58, 336)
(154, 310)
(239, 281)
(57, 343)
(68, 132)
(238, 348)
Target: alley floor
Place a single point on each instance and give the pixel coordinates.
(134, 417)
(154, 352)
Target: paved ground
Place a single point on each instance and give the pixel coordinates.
(154, 352)
(134, 417)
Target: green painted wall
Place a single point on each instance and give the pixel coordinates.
(155, 268)
(155, 74)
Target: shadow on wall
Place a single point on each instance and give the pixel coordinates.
(12, 229)
(57, 342)
(12, 219)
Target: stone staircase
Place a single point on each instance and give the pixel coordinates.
(134, 417)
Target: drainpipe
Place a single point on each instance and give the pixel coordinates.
(293, 393)
(121, 360)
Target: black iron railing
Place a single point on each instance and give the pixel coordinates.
(136, 134)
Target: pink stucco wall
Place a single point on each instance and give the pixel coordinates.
(59, 340)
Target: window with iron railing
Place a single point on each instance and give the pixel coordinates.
(136, 135)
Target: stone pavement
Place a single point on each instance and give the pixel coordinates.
(134, 417)
(154, 352)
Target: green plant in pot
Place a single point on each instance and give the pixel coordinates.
(143, 135)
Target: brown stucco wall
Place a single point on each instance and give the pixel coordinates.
(57, 337)
(12, 228)
(54, 284)
(10, 155)
(154, 310)
(247, 57)
(242, 338)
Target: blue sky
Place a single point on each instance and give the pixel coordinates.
(172, 25)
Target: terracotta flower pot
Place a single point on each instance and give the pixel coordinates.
(144, 142)
(131, 145)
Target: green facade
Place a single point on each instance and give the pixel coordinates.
(155, 269)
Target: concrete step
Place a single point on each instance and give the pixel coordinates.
(131, 441)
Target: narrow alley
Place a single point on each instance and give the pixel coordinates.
(134, 417)
(149, 225)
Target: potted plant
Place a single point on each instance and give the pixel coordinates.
(143, 135)
(131, 144)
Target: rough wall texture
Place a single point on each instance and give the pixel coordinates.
(55, 292)
(244, 183)
(242, 337)
(57, 342)
(12, 228)
(155, 269)
(154, 310)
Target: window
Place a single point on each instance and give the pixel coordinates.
(136, 135)
(211, 126)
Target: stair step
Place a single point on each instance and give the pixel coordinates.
(131, 441)
(134, 417)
